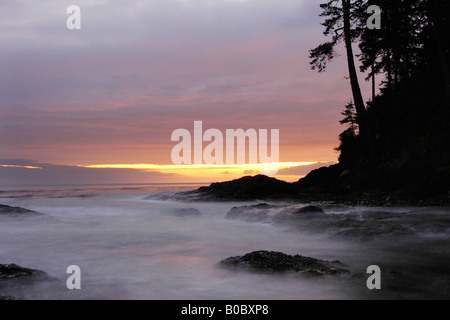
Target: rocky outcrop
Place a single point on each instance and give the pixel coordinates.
(13, 271)
(247, 188)
(277, 262)
(17, 211)
(17, 283)
(357, 225)
(334, 184)
(12, 274)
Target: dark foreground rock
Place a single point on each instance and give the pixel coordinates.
(17, 282)
(17, 211)
(277, 262)
(13, 272)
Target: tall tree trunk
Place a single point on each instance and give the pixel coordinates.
(361, 112)
(373, 81)
(389, 69)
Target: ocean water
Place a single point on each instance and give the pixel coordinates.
(129, 246)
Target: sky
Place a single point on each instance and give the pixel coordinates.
(100, 104)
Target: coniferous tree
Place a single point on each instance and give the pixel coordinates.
(341, 15)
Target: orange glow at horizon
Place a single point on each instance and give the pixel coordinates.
(17, 166)
(208, 172)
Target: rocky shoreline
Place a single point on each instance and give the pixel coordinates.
(308, 190)
(352, 224)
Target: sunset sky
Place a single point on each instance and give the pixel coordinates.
(72, 103)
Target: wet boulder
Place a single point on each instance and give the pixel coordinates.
(18, 283)
(13, 271)
(15, 277)
(278, 262)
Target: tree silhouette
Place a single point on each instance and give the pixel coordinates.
(341, 15)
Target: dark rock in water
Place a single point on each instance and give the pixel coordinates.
(17, 283)
(310, 209)
(255, 213)
(17, 211)
(185, 212)
(13, 271)
(277, 262)
(247, 188)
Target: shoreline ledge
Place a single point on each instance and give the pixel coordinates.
(328, 184)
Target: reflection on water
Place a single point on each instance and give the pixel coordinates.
(130, 247)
